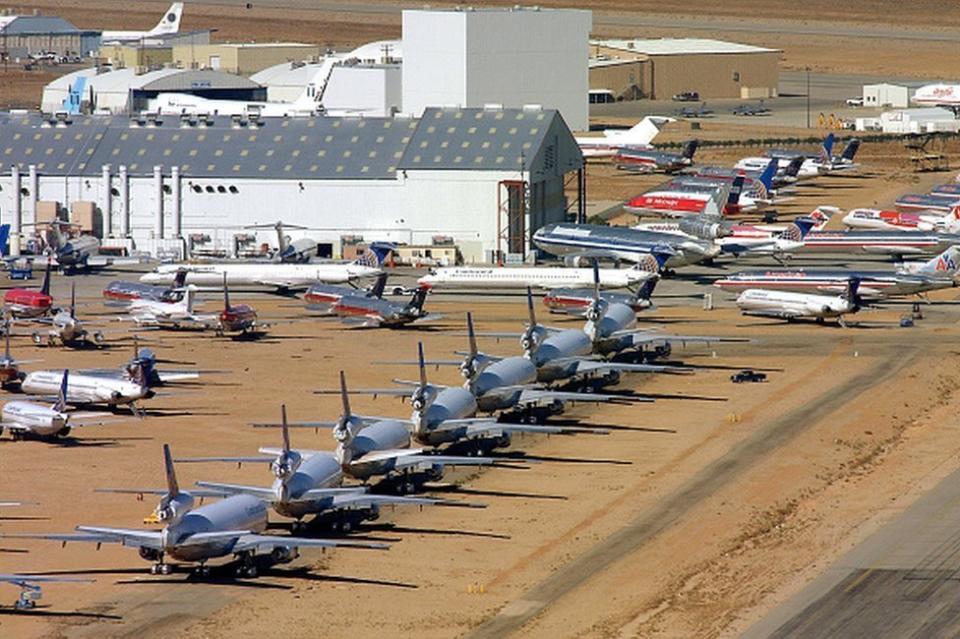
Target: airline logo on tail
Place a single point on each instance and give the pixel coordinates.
(375, 256)
(826, 150)
(821, 216)
(170, 23)
(947, 261)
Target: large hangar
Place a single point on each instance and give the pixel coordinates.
(486, 178)
(661, 68)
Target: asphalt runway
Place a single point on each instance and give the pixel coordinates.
(903, 581)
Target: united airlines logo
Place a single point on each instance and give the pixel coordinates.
(792, 233)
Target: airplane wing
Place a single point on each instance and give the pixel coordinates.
(24, 581)
(125, 536)
(640, 337)
(268, 494)
(155, 491)
(588, 366)
(109, 260)
(477, 430)
(238, 460)
(266, 543)
(405, 459)
(284, 284)
(389, 392)
(177, 376)
(538, 396)
(367, 500)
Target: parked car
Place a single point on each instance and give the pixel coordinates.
(748, 375)
(854, 102)
(687, 96)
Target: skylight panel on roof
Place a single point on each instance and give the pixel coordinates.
(236, 167)
(372, 154)
(218, 152)
(244, 152)
(269, 152)
(211, 168)
(354, 139)
(192, 153)
(328, 138)
(69, 151)
(295, 153)
(49, 151)
(277, 138)
(57, 136)
(167, 152)
(347, 153)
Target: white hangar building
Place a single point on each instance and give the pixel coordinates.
(486, 178)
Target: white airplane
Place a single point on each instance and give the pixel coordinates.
(944, 95)
(469, 277)
(790, 306)
(25, 419)
(195, 535)
(170, 314)
(90, 388)
(309, 102)
(169, 24)
(283, 277)
(638, 136)
(876, 219)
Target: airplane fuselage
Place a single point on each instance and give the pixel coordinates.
(238, 512)
(470, 277)
(33, 418)
(85, 389)
(266, 274)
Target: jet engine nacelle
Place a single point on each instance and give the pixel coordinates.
(150, 554)
(283, 555)
(172, 509)
(578, 261)
(704, 229)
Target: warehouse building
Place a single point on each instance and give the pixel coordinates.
(122, 91)
(471, 57)
(484, 178)
(21, 36)
(241, 58)
(659, 69)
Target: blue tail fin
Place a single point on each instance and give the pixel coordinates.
(826, 151)
(733, 197)
(61, 404)
(4, 239)
(851, 150)
(376, 254)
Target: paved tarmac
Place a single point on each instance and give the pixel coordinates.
(903, 581)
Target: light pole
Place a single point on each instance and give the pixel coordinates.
(808, 97)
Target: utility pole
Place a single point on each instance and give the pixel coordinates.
(808, 97)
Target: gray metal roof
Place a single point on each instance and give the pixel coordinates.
(294, 148)
(24, 25)
(199, 79)
(492, 139)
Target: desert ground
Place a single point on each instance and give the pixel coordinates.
(697, 516)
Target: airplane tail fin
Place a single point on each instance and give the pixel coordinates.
(226, 294)
(826, 149)
(376, 291)
(284, 429)
(766, 178)
(793, 169)
(852, 290)
(531, 313)
(644, 131)
(422, 365)
(173, 487)
(944, 264)
(61, 404)
(45, 287)
(180, 279)
(851, 150)
(690, 148)
(170, 22)
(419, 297)
(471, 336)
(798, 229)
(4, 239)
(645, 291)
(344, 396)
(73, 300)
(733, 196)
(376, 255)
(189, 297)
(821, 216)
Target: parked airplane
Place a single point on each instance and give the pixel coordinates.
(10, 373)
(893, 243)
(168, 25)
(639, 136)
(370, 312)
(76, 252)
(577, 243)
(927, 203)
(690, 112)
(751, 109)
(173, 315)
(879, 220)
(30, 591)
(941, 95)
(790, 306)
(66, 328)
(324, 297)
(30, 419)
(238, 318)
(297, 251)
(308, 482)
(677, 200)
(575, 301)
(197, 535)
(934, 274)
(950, 190)
(481, 277)
(283, 277)
(22, 303)
(653, 161)
(781, 177)
(123, 291)
(823, 162)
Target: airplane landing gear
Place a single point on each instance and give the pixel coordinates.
(247, 567)
(161, 568)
